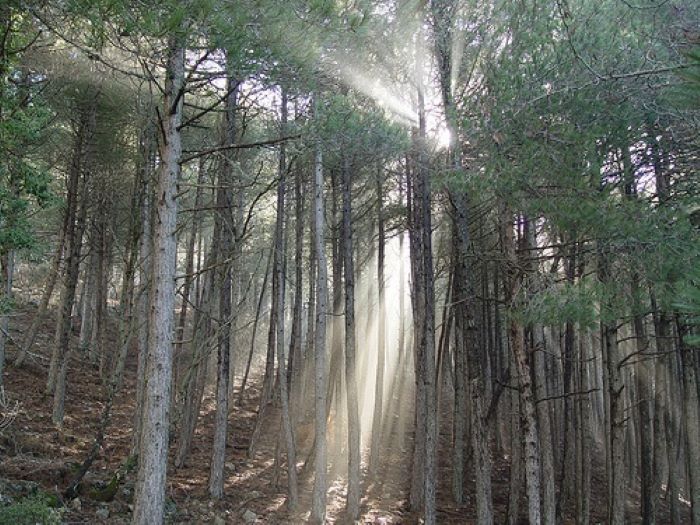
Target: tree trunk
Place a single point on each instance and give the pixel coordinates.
(150, 484)
(280, 248)
(295, 365)
(616, 417)
(318, 509)
(189, 265)
(353, 497)
(256, 321)
(196, 376)
(225, 240)
(377, 416)
(691, 417)
(147, 160)
(522, 366)
(74, 240)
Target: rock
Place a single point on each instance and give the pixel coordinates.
(249, 516)
(254, 495)
(76, 505)
(102, 513)
(218, 520)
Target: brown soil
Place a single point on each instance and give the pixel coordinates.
(33, 449)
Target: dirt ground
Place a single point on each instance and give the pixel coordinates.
(33, 449)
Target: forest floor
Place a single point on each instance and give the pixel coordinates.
(33, 449)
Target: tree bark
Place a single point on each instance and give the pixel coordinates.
(280, 248)
(318, 509)
(353, 497)
(225, 240)
(377, 415)
(150, 484)
(616, 418)
(74, 239)
(522, 365)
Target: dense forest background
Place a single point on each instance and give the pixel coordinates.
(402, 261)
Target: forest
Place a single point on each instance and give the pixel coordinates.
(350, 261)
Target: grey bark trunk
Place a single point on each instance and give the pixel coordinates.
(318, 509)
(149, 499)
(381, 336)
(225, 239)
(522, 367)
(353, 497)
(74, 238)
(280, 342)
(616, 417)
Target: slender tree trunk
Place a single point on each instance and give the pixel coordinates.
(280, 279)
(516, 460)
(89, 304)
(549, 501)
(225, 239)
(427, 334)
(126, 300)
(295, 366)
(645, 407)
(189, 263)
(522, 365)
(103, 271)
(353, 497)
(150, 484)
(147, 159)
(691, 417)
(616, 417)
(256, 321)
(381, 336)
(197, 372)
(318, 509)
(74, 236)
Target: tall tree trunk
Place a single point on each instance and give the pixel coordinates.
(549, 496)
(256, 321)
(295, 365)
(318, 509)
(196, 376)
(423, 194)
(280, 248)
(74, 239)
(522, 365)
(377, 426)
(516, 460)
(353, 497)
(691, 416)
(150, 484)
(189, 263)
(126, 299)
(616, 417)
(147, 160)
(89, 304)
(645, 407)
(225, 240)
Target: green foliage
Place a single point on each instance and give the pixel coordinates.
(689, 92)
(23, 119)
(688, 303)
(555, 305)
(36, 509)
